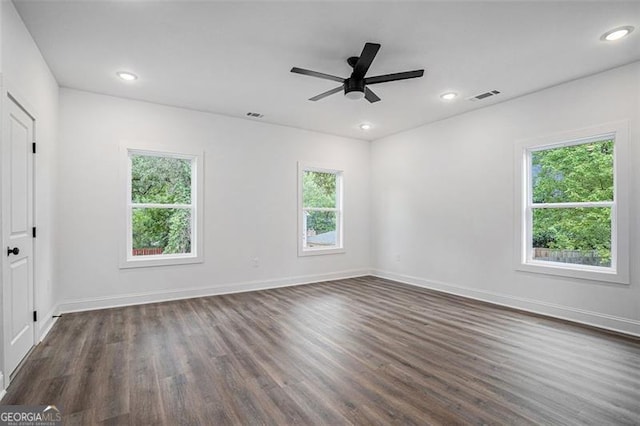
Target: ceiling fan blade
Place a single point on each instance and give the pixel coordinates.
(327, 93)
(370, 96)
(393, 77)
(317, 74)
(364, 62)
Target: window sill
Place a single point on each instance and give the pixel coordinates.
(321, 251)
(150, 261)
(591, 273)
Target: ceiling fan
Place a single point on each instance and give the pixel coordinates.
(355, 86)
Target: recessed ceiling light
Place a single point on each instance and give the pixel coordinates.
(127, 76)
(449, 96)
(616, 33)
(365, 126)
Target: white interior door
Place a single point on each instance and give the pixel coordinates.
(17, 218)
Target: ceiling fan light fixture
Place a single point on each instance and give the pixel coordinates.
(354, 95)
(617, 33)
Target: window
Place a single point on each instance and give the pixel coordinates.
(162, 209)
(320, 210)
(572, 215)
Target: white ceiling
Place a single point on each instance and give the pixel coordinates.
(235, 57)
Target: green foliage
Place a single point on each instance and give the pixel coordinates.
(581, 229)
(321, 222)
(578, 173)
(179, 240)
(161, 180)
(319, 190)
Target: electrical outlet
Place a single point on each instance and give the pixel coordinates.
(255, 262)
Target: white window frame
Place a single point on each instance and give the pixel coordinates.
(619, 270)
(339, 210)
(127, 260)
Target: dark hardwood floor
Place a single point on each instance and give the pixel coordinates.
(358, 351)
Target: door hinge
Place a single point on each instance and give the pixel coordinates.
(33, 231)
(35, 316)
(33, 147)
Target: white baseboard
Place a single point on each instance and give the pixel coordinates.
(89, 304)
(595, 319)
(46, 324)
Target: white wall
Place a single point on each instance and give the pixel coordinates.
(26, 75)
(250, 201)
(443, 201)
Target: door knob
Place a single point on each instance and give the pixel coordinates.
(11, 251)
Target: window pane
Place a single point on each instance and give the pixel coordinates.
(319, 189)
(320, 228)
(161, 180)
(575, 173)
(161, 231)
(573, 235)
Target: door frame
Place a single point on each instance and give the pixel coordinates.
(10, 93)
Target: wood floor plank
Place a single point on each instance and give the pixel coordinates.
(359, 351)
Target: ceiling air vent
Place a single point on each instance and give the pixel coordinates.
(255, 115)
(484, 95)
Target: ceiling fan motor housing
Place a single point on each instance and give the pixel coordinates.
(354, 89)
